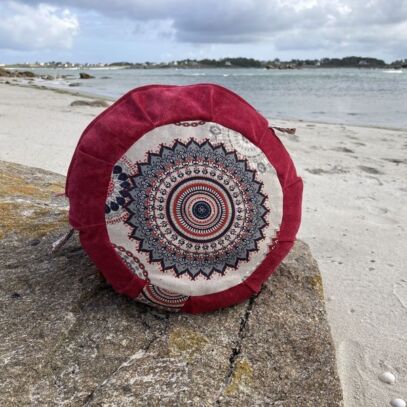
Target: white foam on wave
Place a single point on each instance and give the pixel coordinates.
(195, 74)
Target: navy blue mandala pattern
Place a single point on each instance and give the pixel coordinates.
(196, 208)
(117, 190)
(117, 193)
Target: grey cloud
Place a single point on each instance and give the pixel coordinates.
(285, 24)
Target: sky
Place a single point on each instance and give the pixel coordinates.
(165, 30)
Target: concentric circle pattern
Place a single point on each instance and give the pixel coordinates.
(200, 210)
(196, 208)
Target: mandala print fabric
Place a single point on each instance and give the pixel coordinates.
(192, 210)
(193, 207)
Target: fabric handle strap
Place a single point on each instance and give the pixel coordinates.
(284, 129)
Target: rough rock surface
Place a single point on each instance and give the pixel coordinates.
(67, 339)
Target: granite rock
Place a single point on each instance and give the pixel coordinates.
(67, 339)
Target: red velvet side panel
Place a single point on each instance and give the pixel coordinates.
(96, 243)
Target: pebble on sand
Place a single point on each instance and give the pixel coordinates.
(94, 103)
(387, 377)
(398, 403)
(84, 75)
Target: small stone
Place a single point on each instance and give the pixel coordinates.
(398, 403)
(94, 103)
(387, 377)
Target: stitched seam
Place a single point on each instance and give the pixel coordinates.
(262, 137)
(211, 102)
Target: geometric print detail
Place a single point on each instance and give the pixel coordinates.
(131, 261)
(243, 146)
(159, 297)
(150, 294)
(195, 208)
(117, 195)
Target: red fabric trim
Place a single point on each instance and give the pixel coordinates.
(113, 132)
(96, 243)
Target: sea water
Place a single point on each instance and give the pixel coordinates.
(372, 97)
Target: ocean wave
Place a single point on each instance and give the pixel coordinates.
(194, 74)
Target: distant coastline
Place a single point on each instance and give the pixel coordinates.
(353, 96)
(346, 62)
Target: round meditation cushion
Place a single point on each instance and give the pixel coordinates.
(184, 197)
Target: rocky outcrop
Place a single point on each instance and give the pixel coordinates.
(67, 339)
(4, 72)
(23, 74)
(16, 74)
(84, 75)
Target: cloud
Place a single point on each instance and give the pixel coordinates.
(42, 26)
(330, 25)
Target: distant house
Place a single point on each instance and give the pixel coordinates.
(363, 62)
(228, 63)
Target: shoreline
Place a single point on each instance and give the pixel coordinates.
(60, 90)
(90, 95)
(353, 219)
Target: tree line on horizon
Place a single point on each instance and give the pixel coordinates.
(240, 62)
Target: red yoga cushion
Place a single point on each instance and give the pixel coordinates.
(183, 196)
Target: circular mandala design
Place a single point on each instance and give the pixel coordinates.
(200, 210)
(196, 208)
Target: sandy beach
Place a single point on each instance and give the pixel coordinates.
(354, 219)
